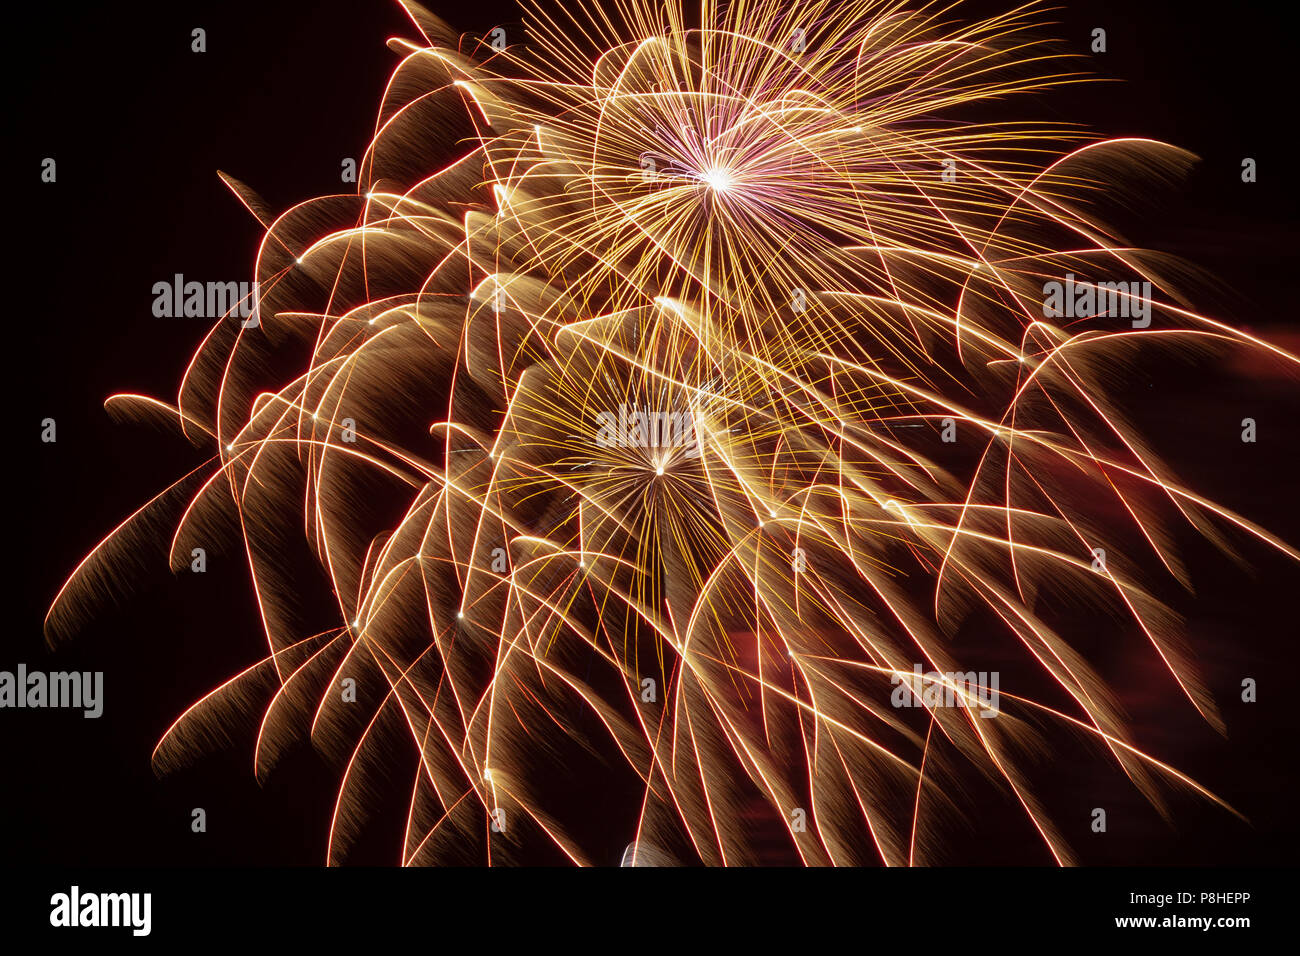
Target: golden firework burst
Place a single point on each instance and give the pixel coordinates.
(625, 438)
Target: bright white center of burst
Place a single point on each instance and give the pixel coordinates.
(719, 180)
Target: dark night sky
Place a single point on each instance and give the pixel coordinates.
(139, 125)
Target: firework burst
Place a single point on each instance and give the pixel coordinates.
(625, 440)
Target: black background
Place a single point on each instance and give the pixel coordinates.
(139, 125)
